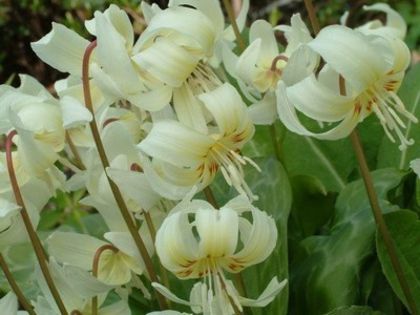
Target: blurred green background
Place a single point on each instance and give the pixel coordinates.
(25, 21)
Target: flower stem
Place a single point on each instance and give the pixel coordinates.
(13, 284)
(36, 242)
(114, 188)
(95, 270)
(232, 19)
(78, 161)
(380, 222)
(312, 16)
(208, 192)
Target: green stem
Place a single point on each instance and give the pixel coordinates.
(380, 222)
(125, 213)
(95, 270)
(36, 242)
(232, 19)
(15, 287)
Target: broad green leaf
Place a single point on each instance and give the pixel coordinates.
(275, 197)
(312, 208)
(404, 227)
(389, 154)
(354, 310)
(326, 273)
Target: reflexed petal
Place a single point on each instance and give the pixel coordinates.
(113, 56)
(149, 11)
(246, 68)
(319, 102)
(120, 20)
(176, 245)
(288, 116)
(73, 248)
(210, 8)
(160, 184)
(395, 24)
(176, 144)
(218, 231)
(9, 304)
(62, 49)
(166, 61)
(341, 46)
(228, 110)
(296, 34)
(184, 26)
(74, 113)
(263, 231)
(263, 30)
(112, 269)
(135, 186)
(152, 100)
(189, 110)
(168, 294)
(264, 112)
(269, 294)
(302, 62)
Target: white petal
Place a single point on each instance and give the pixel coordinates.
(351, 54)
(296, 34)
(176, 144)
(228, 110)
(73, 248)
(62, 49)
(166, 61)
(120, 20)
(264, 112)
(168, 294)
(189, 109)
(186, 27)
(318, 101)
(112, 55)
(263, 30)
(135, 186)
(152, 100)
(74, 113)
(288, 116)
(9, 304)
(395, 24)
(263, 231)
(218, 231)
(270, 292)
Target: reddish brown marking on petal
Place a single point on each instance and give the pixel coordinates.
(136, 168)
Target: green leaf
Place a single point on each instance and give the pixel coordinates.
(404, 227)
(389, 154)
(354, 310)
(326, 272)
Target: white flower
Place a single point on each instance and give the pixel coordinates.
(9, 305)
(395, 25)
(199, 241)
(186, 157)
(76, 288)
(115, 266)
(372, 67)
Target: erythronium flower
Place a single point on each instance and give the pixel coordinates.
(76, 288)
(395, 25)
(115, 266)
(372, 67)
(186, 157)
(200, 242)
(9, 305)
